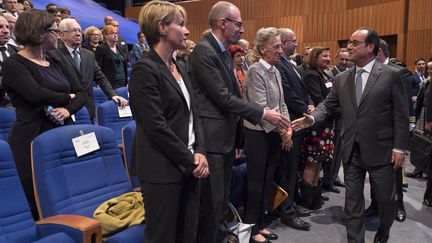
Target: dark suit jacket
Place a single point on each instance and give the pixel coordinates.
(88, 72)
(105, 59)
(295, 93)
(4, 100)
(415, 88)
(425, 93)
(162, 117)
(218, 97)
(380, 123)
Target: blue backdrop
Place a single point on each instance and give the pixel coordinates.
(90, 13)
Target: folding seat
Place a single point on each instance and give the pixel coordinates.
(123, 92)
(82, 116)
(108, 116)
(99, 96)
(128, 137)
(16, 221)
(68, 184)
(7, 118)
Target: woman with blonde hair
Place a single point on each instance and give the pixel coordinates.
(94, 36)
(169, 152)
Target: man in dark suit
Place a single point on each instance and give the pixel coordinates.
(6, 50)
(372, 99)
(220, 107)
(83, 68)
(297, 101)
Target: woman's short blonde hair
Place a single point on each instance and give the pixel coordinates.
(263, 36)
(155, 13)
(108, 29)
(89, 31)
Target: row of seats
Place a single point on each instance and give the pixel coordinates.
(68, 188)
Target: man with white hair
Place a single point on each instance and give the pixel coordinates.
(11, 21)
(80, 64)
(6, 50)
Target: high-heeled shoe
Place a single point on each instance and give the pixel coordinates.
(415, 174)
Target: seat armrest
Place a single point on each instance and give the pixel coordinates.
(82, 229)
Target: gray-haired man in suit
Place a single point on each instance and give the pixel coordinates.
(374, 110)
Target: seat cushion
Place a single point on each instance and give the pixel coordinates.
(133, 234)
(55, 238)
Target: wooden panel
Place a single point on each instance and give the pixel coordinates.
(325, 22)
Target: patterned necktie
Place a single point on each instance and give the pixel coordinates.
(359, 85)
(76, 58)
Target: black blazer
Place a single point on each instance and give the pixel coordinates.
(21, 79)
(379, 123)
(88, 72)
(218, 97)
(162, 118)
(105, 59)
(295, 93)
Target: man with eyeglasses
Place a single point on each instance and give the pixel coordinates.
(221, 110)
(297, 100)
(80, 64)
(374, 110)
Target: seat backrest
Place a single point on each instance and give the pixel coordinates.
(107, 116)
(16, 221)
(123, 92)
(128, 136)
(7, 118)
(82, 116)
(98, 96)
(67, 184)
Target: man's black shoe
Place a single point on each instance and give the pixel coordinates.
(331, 188)
(302, 212)
(371, 211)
(380, 238)
(400, 214)
(339, 183)
(295, 222)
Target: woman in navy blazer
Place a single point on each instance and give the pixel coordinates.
(169, 152)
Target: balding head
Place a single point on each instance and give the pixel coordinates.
(289, 41)
(221, 9)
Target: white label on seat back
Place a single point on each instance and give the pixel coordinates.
(124, 111)
(85, 144)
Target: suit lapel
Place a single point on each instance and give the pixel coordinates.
(68, 56)
(373, 77)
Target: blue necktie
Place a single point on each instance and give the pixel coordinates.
(359, 85)
(76, 58)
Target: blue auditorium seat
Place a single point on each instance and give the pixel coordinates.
(123, 92)
(107, 116)
(82, 116)
(99, 96)
(16, 221)
(128, 137)
(7, 118)
(67, 184)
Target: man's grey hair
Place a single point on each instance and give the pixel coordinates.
(64, 24)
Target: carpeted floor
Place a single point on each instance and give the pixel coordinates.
(328, 223)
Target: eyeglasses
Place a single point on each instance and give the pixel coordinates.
(55, 31)
(73, 30)
(356, 42)
(235, 22)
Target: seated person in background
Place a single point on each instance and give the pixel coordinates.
(111, 59)
(85, 70)
(140, 48)
(43, 96)
(94, 36)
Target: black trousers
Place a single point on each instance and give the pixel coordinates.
(288, 172)
(171, 211)
(428, 191)
(399, 190)
(263, 156)
(215, 190)
(382, 180)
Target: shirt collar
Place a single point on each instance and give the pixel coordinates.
(221, 46)
(266, 64)
(368, 67)
(70, 49)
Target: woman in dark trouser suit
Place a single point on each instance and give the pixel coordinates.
(263, 141)
(169, 153)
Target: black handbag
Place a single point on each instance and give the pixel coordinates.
(421, 150)
(310, 196)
